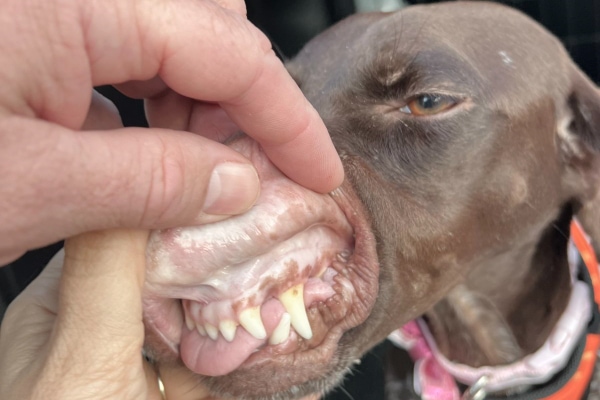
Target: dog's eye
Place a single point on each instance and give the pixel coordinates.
(428, 104)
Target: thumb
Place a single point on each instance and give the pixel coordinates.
(101, 285)
(57, 183)
(99, 331)
(80, 337)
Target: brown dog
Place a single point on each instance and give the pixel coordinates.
(469, 140)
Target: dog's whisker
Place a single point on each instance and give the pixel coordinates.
(560, 230)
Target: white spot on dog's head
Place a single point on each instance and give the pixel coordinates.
(506, 59)
(519, 191)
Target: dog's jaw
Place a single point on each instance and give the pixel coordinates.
(219, 296)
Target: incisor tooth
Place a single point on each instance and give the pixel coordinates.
(200, 329)
(251, 321)
(212, 331)
(293, 302)
(282, 331)
(343, 256)
(228, 328)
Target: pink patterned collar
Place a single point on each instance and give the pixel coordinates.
(437, 378)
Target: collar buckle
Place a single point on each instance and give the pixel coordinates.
(477, 390)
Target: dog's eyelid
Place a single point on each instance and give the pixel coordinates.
(434, 93)
(429, 103)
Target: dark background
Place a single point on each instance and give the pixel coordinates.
(290, 24)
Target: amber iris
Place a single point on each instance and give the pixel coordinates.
(428, 104)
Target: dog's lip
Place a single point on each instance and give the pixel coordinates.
(163, 312)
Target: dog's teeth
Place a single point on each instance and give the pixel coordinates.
(293, 302)
(212, 331)
(228, 328)
(282, 331)
(200, 329)
(251, 321)
(189, 322)
(343, 256)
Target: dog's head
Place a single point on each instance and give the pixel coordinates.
(471, 137)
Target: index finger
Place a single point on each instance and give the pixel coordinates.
(206, 52)
(275, 112)
(301, 149)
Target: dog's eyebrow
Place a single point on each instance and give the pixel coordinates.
(397, 75)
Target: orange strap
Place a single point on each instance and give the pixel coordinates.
(580, 380)
(588, 255)
(577, 385)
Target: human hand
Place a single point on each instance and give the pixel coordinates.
(76, 332)
(82, 337)
(203, 68)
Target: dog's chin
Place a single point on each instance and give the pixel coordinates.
(268, 376)
(282, 359)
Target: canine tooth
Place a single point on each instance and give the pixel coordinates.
(293, 302)
(189, 322)
(201, 329)
(228, 328)
(212, 331)
(282, 331)
(251, 321)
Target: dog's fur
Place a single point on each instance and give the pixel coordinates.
(471, 206)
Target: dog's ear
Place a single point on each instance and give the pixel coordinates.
(579, 139)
